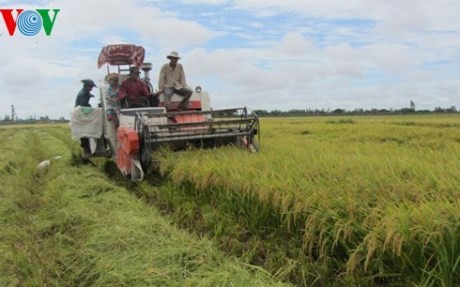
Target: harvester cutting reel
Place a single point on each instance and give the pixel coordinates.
(200, 129)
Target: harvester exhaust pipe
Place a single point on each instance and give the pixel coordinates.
(146, 67)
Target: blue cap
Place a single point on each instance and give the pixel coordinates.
(89, 82)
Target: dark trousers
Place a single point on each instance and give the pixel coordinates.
(84, 143)
(184, 92)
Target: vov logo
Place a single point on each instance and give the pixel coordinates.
(29, 22)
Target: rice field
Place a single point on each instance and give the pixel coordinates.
(328, 201)
(358, 201)
(70, 225)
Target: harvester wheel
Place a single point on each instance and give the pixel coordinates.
(144, 149)
(145, 159)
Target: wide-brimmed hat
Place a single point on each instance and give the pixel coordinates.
(173, 54)
(89, 82)
(112, 76)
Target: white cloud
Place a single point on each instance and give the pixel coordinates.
(295, 44)
(265, 54)
(210, 2)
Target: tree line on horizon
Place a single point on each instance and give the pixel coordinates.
(359, 111)
(265, 113)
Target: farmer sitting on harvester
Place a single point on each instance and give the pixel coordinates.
(133, 92)
(111, 96)
(172, 81)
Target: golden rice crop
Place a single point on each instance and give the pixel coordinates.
(379, 194)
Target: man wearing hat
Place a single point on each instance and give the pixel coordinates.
(172, 81)
(134, 90)
(84, 95)
(83, 100)
(111, 98)
(111, 95)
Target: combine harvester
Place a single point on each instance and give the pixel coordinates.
(141, 131)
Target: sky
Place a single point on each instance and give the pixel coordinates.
(260, 54)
